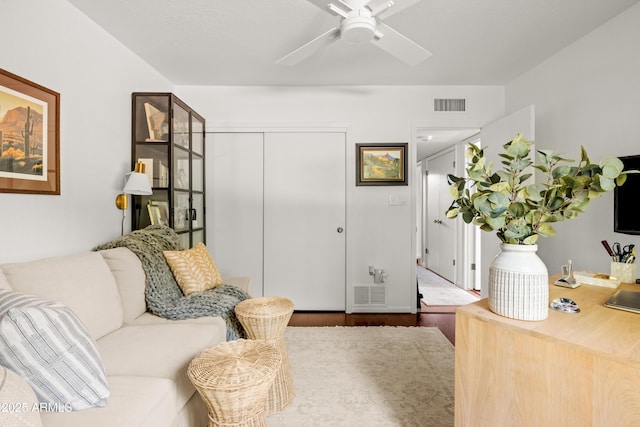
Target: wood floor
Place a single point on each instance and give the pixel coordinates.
(442, 317)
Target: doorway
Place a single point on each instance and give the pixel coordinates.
(448, 246)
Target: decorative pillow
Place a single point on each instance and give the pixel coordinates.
(194, 269)
(45, 343)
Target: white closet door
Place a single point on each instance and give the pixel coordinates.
(304, 219)
(234, 204)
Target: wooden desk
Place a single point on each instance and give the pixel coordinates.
(568, 370)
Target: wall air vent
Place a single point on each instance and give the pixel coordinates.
(449, 104)
(369, 295)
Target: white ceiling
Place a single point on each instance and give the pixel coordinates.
(236, 42)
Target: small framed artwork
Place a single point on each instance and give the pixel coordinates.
(381, 163)
(29, 137)
(158, 212)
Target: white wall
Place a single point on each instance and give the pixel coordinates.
(589, 94)
(51, 43)
(377, 234)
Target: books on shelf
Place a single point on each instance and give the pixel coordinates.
(163, 175)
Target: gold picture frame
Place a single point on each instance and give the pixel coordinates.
(30, 140)
(381, 164)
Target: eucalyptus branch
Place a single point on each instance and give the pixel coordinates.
(521, 212)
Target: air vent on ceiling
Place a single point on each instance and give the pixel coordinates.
(449, 104)
(370, 295)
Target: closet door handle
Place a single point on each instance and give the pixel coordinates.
(437, 221)
(340, 230)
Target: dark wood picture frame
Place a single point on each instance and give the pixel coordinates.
(381, 163)
(29, 138)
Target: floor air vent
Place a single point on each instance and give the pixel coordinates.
(449, 104)
(370, 295)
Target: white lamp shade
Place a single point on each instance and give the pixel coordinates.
(137, 183)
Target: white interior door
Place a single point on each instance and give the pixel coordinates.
(304, 219)
(494, 136)
(440, 230)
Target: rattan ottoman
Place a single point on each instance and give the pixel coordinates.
(234, 379)
(266, 318)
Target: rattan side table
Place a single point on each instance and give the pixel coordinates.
(266, 318)
(234, 379)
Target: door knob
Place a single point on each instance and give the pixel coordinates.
(340, 230)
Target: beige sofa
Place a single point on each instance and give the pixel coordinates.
(145, 357)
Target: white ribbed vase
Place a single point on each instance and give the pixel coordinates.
(519, 283)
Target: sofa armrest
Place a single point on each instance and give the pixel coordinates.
(243, 282)
(21, 406)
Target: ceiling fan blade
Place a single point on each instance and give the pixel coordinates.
(310, 48)
(399, 46)
(385, 8)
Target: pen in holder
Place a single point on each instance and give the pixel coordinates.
(626, 272)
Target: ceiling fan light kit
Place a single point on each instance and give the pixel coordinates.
(357, 29)
(360, 23)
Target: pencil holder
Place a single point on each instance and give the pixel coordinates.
(625, 272)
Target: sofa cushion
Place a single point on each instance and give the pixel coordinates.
(134, 402)
(130, 278)
(152, 319)
(4, 284)
(82, 282)
(163, 351)
(194, 269)
(18, 400)
(44, 342)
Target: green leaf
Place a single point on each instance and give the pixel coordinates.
(525, 177)
(452, 213)
(453, 191)
(468, 216)
(560, 171)
(610, 171)
(607, 184)
(556, 203)
(547, 230)
(517, 209)
(500, 186)
(499, 200)
(611, 166)
(496, 223)
(621, 179)
(583, 155)
(531, 240)
(518, 148)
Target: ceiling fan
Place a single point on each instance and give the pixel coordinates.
(360, 22)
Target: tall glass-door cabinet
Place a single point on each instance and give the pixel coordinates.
(168, 138)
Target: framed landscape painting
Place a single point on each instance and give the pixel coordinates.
(29, 137)
(381, 163)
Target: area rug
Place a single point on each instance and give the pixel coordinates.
(369, 376)
(436, 290)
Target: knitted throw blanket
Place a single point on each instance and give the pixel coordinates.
(163, 295)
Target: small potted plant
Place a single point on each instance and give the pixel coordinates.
(520, 210)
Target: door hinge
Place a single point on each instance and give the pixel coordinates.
(473, 266)
(426, 173)
(454, 262)
(426, 250)
(454, 163)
